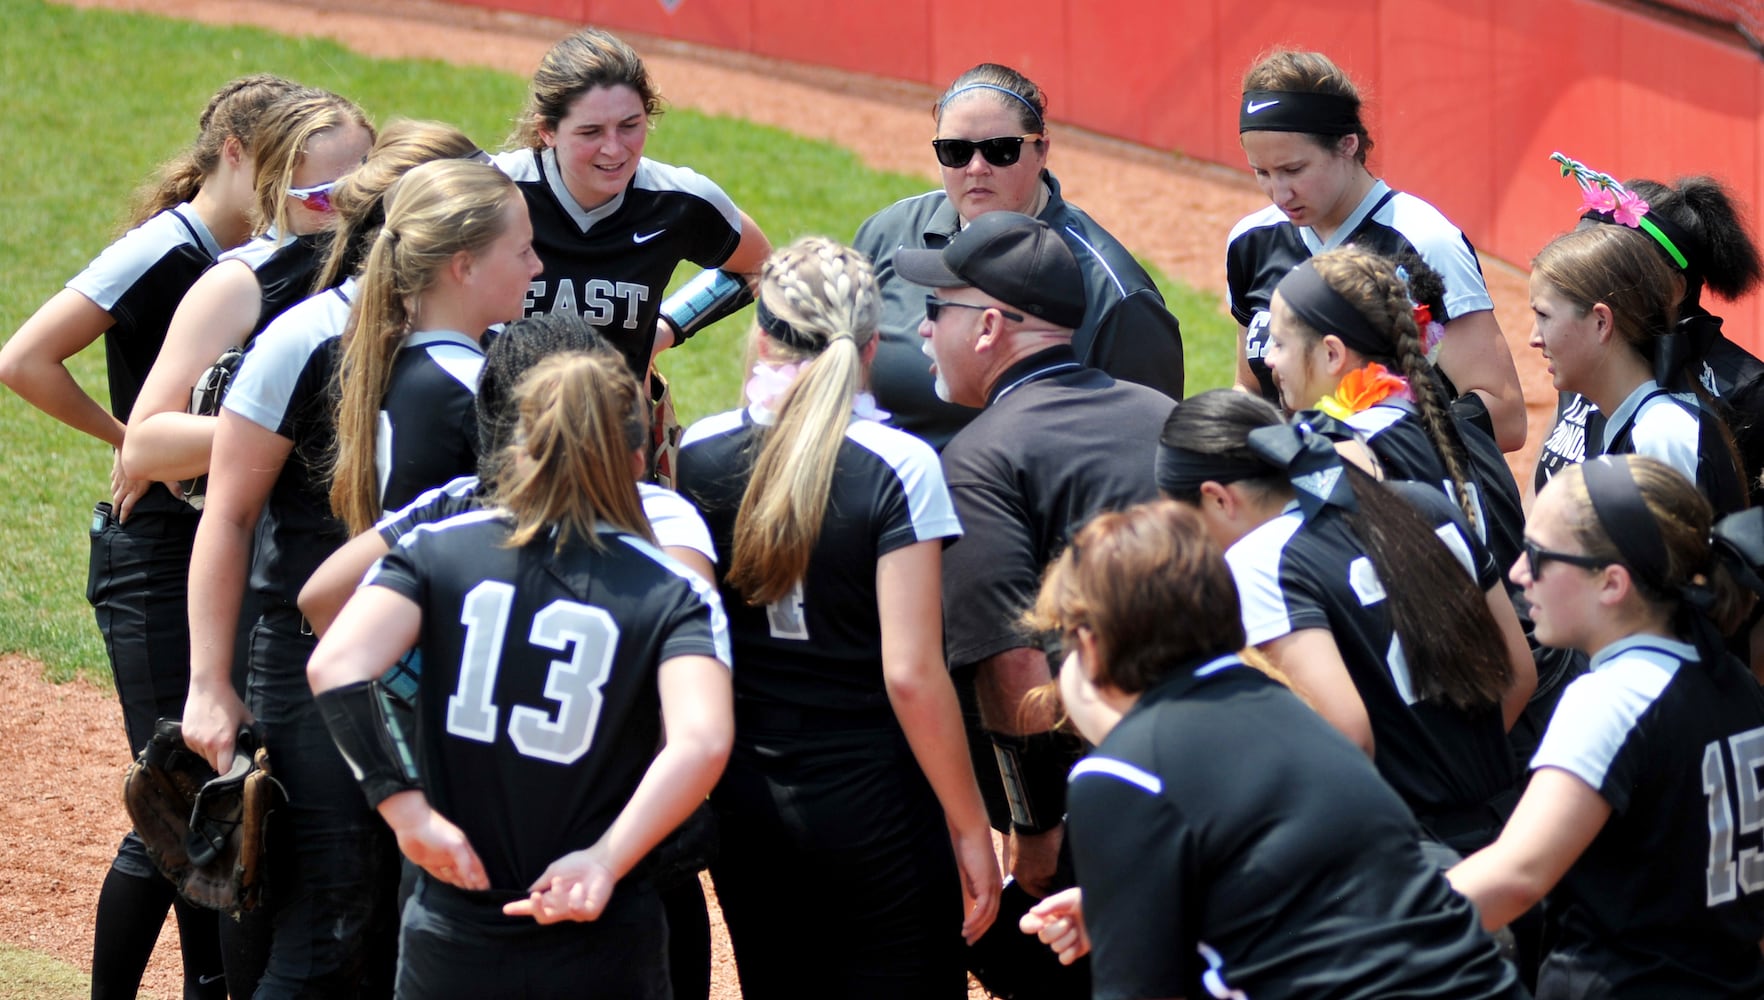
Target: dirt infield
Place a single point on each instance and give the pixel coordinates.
(59, 825)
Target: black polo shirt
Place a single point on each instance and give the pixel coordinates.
(1230, 843)
(1056, 443)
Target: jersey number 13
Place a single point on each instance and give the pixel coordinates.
(589, 634)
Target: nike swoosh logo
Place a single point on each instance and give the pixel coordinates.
(1255, 106)
(205, 980)
(646, 237)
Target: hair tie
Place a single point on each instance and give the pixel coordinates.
(1325, 310)
(1040, 122)
(1298, 111)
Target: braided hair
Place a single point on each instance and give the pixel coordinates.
(824, 309)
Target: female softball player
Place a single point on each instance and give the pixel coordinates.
(1344, 336)
(199, 206)
(305, 142)
(1602, 299)
(850, 772)
(549, 624)
(610, 225)
(1228, 842)
(1300, 125)
(1640, 827)
(992, 143)
(1425, 678)
(333, 875)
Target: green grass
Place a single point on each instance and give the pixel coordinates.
(96, 99)
(27, 975)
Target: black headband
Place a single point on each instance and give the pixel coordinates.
(1306, 459)
(779, 330)
(1618, 504)
(1326, 311)
(1298, 111)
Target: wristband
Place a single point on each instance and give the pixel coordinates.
(709, 297)
(1034, 769)
(372, 738)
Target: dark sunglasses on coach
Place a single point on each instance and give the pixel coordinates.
(935, 305)
(1536, 557)
(1000, 151)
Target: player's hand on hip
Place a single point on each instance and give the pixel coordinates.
(1034, 858)
(432, 842)
(576, 886)
(981, 882)
(212, 718)
(1058, 922)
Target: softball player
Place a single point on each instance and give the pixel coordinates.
(1425, 679)
(992, 143)
(305, 142)
(199, 206)
(1299, 122)
(1603, 302)
(1640, 827)
(542, 788)
(1344, 338)
(1228, 842)
(850, 772)
(333, 877)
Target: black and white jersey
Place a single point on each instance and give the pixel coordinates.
(1294, 574)
(1056, 445)
(1128, 331)
(1264, 246)
(139, 280)
(285, 269)
(1397, 436)
(1230, 843)
(428, 428)
(1668, 899)
(1734, 377)
(611, 264)
(284, 385)
(674, 520)
(1672, 427)
(539, 712)
(820, 646)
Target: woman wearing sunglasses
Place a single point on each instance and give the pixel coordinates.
(1641, 827)
(306, 141)
(198, 206)
(1300, 125)
(991, 143)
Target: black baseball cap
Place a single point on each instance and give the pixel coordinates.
(1015, 258)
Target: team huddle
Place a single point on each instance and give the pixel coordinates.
(1272, 691)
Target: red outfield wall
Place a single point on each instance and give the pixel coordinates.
(1467, 98)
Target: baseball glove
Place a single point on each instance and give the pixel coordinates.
(204, 831)
(205, 401)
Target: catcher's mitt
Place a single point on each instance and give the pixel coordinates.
(204, 831)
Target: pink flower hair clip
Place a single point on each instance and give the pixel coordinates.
(1604, 198)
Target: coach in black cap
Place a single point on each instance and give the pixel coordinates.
(1056, 443)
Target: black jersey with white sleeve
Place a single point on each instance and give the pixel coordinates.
(1668, 899)
(820, 646)
(428, 427)
(539, 710)
(611, 264)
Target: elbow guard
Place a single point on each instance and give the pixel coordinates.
(709, 297)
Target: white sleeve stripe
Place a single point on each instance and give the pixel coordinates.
(1108, 767)
(919, 472)
(706, 593)
(1100, 259)
(451, 488)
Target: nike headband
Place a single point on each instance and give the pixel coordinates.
(1298, 111)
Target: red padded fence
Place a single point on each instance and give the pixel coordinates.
(1467, 97)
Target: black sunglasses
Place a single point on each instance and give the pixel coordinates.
(935, 305)
(1536, 557)
(1000, 151)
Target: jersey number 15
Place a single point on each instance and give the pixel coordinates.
(1726, 878)
(590, 635)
